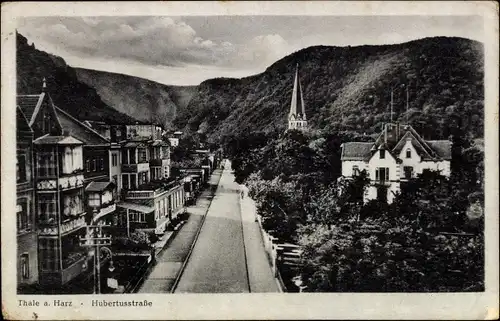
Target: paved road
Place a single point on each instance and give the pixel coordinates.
(218, 263)
(169, 261)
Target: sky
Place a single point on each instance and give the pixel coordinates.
(186, 50)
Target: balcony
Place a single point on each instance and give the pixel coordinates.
(68, 181)
(381, 182)
(135, 168)
(151, 189)
(51, 228)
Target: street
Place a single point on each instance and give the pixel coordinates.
(219, 261)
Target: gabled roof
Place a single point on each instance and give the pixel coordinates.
(441, 147)
(74, 127)
(428, 150)
(356, 151)
(57, 140)
(417, 144)
(30, 105)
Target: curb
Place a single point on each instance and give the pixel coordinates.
(181, 271)
(278, 283)
(240, 202)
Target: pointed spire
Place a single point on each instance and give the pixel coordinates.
(44, 85)
(297, 108)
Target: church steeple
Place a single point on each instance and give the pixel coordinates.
(297, 115)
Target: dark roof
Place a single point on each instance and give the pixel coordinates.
(417, 144)
(98, 186)
(77, 129)
(30, 103)
(356, 151)
(130, 144)
(441, 147)
(136, 207)
(160, 143)
(53, 140)
(429, 150)
(22, 123)
(297, 108)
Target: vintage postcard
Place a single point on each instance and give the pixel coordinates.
(250, 160)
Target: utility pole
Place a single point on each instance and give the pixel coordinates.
(392, 101)
(407, 102)
(95, 238)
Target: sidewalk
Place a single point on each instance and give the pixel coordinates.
(170, 258)
(260, 274)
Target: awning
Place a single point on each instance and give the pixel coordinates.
(136, 207)
(99, 186)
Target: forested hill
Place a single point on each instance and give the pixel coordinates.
(140, 98)
(348, 88)
(67, 92)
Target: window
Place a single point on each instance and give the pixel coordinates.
(408, 171)
(94, 165)
(47, 208)
(87, 165)
(72, 203)
(137, 217)
(142, 155)
(125, 181)
(46, 164)
(25, 265)
(382, 154)
(114, 159)
(355, 170)
(101, 160)
(47, 124)
(94, 200)
(48, 254)
(133, 181)
(21, 168)
(382, 174)
(23, 215)
(408, 153)
(132, 156)
(124, 156)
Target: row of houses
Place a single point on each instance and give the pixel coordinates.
(72, 175)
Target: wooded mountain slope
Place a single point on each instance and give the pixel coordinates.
(67, 92)
(139, 98)
(349, 89)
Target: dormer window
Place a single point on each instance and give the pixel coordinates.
(408, 153)
(382, 154)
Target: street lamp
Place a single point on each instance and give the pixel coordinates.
(95, 238)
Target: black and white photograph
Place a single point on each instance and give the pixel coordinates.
(288, 154)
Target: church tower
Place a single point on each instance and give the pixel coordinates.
(297, 116)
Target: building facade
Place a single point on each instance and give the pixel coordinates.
(27, 239)
(397, 155)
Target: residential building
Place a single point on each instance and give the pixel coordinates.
(174, 138)
(144, 131)
(149, 200)
(397, 155)
(27, 240)
(59, 184)
(297, 116)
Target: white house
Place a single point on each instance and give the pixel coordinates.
(397, 155)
